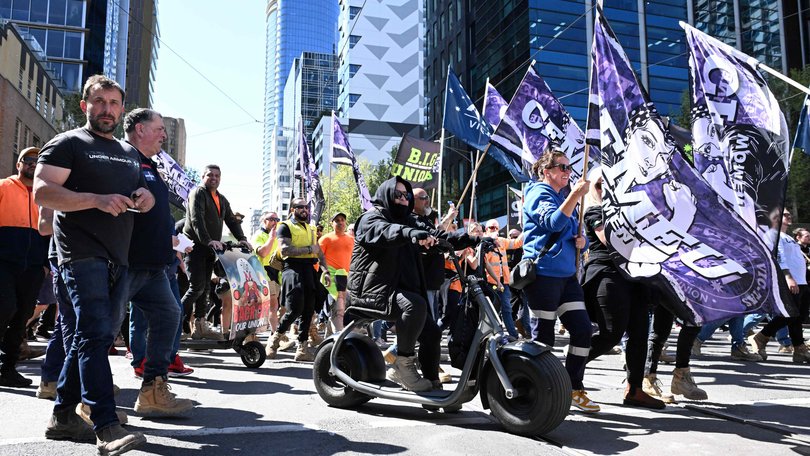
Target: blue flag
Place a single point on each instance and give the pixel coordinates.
(461, 117)
(802, 140)
(664, 221)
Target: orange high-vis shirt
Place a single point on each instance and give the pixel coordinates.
(337, 249)
(215, 195)
(498, 263)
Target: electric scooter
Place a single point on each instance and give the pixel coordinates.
(522, 382)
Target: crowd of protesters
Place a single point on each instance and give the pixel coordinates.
(91, 213)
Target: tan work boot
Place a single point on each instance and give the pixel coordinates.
(155, 398)
(271, 350)
(287, 343)
(801, 354)
(404, 372)
(305, 352)
(758, 342)
(684, 384)
(83, 410)
(115, 440)
(46, 390)
(315, 339)
(201, 330)
(652, 386)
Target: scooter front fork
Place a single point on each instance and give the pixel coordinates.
(509, 390)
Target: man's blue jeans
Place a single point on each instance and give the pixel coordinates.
(155, 308)
(62, 336)
(735, 328)
(97, 291)
(753, 319)
(506, 310)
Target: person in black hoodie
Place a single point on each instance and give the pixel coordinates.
(386, 279)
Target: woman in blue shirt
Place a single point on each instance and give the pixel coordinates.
(550, 216)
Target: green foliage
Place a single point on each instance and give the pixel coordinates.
(72, 114)
(683, 117)
(340, 189)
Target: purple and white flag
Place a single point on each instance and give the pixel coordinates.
(342, 154)
(175, 177)
(661, 217)
(494, 109)
(309, 176)
(740, 135)
(535, 118)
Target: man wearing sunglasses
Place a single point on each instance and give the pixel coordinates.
(499, 264)
(22, 256)
(299, 251)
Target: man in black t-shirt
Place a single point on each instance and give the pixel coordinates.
(93, 182)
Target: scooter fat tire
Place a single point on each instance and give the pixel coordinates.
(331, 390)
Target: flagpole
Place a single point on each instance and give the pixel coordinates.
(478, 153)
(441, 141)
(784, 78)
(587, 158)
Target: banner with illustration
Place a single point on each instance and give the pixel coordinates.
(250, 291)
(175, 177)
(664, 221)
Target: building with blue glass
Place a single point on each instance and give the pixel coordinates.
(503, 36)
(292, 27)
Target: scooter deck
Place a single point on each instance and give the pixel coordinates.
(391, 387)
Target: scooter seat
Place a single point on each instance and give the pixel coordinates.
(358, 313)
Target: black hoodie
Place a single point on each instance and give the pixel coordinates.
(385, 258)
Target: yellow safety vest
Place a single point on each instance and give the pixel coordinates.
(303, 235)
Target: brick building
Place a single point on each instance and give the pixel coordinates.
(30, 101)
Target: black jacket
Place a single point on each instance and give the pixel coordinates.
(384, 258)
(204, 223)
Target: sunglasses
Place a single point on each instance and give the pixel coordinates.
(273, 219)
(299, 206)
(492, 228)
(423, 197)
(29, 160)
(563, 167)
(398, 194)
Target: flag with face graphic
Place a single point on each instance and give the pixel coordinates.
(342, 154)
(664, 221)
(534, 119)
(309, 176)
(740, 134)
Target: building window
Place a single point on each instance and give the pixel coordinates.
(36, 142)
(459, 48)
(38, 102)
(459, 9)
(450, 9)
(354, 11)
(442, 27)
(353, 69)
(353, 39)
(353, 97)
(17, 131)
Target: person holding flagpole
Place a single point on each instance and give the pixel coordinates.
(552, 237)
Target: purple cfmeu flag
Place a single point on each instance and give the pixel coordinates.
(740, 135)
(494, 109)
(661, 217)
(342, 154)
(535, 118)
(309, 176)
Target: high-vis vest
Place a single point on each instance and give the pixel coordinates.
(303, 235)
(498, 263)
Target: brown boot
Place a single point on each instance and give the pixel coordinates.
(201, 330)
(315, 339)
(304, 352)
(155, 398)
(801, 354)
(636, 397)
(83, 410)
(652, 387)
(287, 343)
(404, 372)
(26, 352)
(115, 440)
(683, 383)
(272, 345)
(758, 342)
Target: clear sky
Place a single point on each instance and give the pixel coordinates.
(225, 42)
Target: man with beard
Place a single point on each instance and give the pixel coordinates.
(299, 252)
(207, 211)
(22, 257)
(93, 182)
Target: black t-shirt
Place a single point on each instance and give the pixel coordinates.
(593, 219)
(101, 166)
(151, 244)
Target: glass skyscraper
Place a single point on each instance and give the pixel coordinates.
(292, 27)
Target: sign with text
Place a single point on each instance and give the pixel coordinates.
(415, 162)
